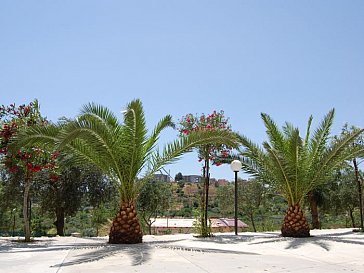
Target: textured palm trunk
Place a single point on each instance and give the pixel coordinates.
(125, 228)
(295, 223)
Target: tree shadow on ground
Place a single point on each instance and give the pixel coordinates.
(322, 240)
(204, 250)
(9, 244)
(91, 253)
(236, 239)
(94, 249)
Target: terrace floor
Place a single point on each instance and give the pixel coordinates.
(326, 251)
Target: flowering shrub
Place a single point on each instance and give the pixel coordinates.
(214, 122)
(31, 160)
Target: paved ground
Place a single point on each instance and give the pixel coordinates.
(326, 251)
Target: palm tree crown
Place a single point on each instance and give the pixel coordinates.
(296, 165)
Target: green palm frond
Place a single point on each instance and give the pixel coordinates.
(173, 151)
(37, 136)
(341, 150)
(153, 139)
(254, 160)
(276, 138)
(100, 112)
(320, 138)
(295, 166)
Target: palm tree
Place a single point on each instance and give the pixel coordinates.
(121, 150)
(294, 166)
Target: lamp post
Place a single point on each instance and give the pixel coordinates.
(360, 194)
(13, 213)
(236, 167)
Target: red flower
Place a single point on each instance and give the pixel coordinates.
(54, 177)
(13, 169)
(55, 155)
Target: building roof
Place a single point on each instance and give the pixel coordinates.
(227, 222)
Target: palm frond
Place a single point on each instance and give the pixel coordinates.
(293, 165)
(100, 112)
(276, 138)
(173, 151)
(36, 136)
(153, 139)
(135, 135)
(320, 138)
(341, 150)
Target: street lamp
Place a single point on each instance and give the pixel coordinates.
(13, 214)
(236, 167)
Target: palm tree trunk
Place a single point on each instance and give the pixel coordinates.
(125, 227)
(295, 223)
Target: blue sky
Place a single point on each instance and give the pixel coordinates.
(289, 59)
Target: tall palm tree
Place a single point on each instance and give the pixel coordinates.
(122, 150)
(294, 166)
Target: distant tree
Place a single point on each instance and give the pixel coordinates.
(250, 199)
(340, 194)
(74, 186)
(359, 142)
(181, 184)
(224, 196)
(252, 194)
(11, 189)
(153, 200)
(178, 177)
(99, 217)
(61, 198)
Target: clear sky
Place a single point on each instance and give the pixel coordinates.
(289, 59)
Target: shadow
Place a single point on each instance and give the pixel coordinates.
(322, 240)
(138, 254)
(236, 239)
(8, 244)
(82, 250)
(205, 250)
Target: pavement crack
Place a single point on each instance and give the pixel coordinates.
(65, 257)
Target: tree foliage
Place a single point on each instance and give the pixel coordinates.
(27, 160)
(153, 200)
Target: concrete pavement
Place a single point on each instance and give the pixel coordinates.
(339, 250)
